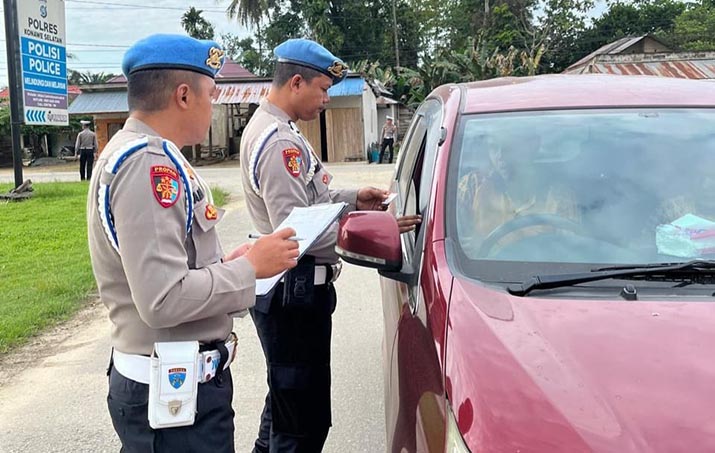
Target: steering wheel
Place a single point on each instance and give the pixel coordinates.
(525, 221)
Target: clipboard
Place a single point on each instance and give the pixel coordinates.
(309, 223)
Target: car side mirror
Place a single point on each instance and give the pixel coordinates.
(370, 239)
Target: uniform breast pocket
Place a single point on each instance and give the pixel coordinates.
(206, 246)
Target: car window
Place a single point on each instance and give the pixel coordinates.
(553, 192)
(433, 117)
(410, 152)
(417, 169)
(417, 166)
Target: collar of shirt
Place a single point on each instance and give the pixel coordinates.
(139, 127)
(274, 110)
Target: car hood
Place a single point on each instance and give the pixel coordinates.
(580, 375)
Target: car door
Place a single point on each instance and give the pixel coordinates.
(414, 391)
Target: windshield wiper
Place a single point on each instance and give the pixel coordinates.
(663, 270)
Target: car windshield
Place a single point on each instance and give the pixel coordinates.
(581, 187)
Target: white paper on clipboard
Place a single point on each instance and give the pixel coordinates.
(309, 224)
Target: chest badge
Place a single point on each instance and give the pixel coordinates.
(292, 159)
(165, 185)
(211, 212)
(326, 179)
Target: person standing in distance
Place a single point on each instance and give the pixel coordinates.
(87, 148)
(279, 172)
(388, 136)
(155, 252)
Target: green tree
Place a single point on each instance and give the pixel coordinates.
(695, 28)
(196, 25)
(88, 77)
(244, 52)
(5, 120)
(555, 33)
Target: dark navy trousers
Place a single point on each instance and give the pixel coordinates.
(211, 432)
(296, 344)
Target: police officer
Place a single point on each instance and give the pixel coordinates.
(155, 252)
(280, 171)
(388, 137)
(86, 146)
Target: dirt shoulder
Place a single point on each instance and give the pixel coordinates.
(48, 342)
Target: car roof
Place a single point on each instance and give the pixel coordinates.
(580, 91)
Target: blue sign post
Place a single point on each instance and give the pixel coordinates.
(41, 26)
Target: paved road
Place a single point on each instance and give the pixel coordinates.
(52, 393)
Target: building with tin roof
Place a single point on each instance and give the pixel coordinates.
(645, 55)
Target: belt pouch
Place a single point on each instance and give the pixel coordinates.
(299, 284)
(173, 384)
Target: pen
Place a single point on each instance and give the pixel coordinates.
(258, 236)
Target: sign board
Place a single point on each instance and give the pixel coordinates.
(41, 25)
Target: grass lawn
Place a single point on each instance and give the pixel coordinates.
(45, 272)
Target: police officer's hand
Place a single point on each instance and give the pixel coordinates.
(371, 198)
(408, 222)
(273, 253)
(238, 252)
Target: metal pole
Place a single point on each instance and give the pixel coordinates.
(12, 45)
(394, 27)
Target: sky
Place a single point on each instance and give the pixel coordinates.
(98, 32)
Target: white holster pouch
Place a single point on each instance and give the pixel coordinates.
(173, 384)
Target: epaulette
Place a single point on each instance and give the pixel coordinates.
(110, 171)
(256, 152)
(260, 145)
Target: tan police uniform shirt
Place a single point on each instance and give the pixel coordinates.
(86, 139)
(166, 285)
(389, 131)
(285, 173)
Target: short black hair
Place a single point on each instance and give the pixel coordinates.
(150, 90)
(285, 71)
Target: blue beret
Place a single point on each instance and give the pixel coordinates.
(310, 54)
(174, 52)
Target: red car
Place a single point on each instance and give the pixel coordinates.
(558, 296)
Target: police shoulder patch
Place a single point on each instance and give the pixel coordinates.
(291, 159)
(165, 185)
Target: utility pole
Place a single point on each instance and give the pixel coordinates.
(394, 27)
(12, 45)
(397, 60)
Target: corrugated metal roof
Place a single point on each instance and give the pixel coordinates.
(100, 102)
(72, 90)
(606, 49)
(230, 69)
(680, 65)
(615, 48)
(227, 93)
(352, 86)
(253, 92)
(241, 93)
(383, 100)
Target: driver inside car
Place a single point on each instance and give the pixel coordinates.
(513, 186)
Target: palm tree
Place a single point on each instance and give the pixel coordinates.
(87, 77)
(250, 13)
(196, 25)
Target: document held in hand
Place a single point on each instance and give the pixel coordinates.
(309, 224)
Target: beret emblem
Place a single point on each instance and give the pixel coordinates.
(337, 69)
(215, 59)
